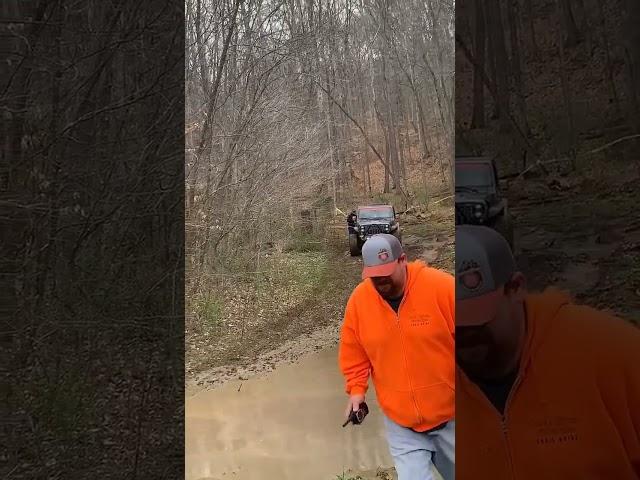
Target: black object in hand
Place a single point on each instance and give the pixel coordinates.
(357, 417)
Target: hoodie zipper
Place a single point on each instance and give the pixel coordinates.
(514, 388)
(503, 418)
(404, 352)
(406, 363)
(505, 430)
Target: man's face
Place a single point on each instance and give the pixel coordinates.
(393, 285)
(492, 350)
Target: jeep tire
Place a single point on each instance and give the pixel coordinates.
(355, 248)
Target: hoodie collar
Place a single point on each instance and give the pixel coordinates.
(413, 272)
(541, 309)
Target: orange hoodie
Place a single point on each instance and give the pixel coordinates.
(410, 354)
(574, 410)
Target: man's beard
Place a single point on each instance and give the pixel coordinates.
(387, 288)
(478, 354)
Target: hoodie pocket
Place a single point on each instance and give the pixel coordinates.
(399, 406)
(436, 403)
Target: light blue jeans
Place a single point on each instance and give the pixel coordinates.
(414, 454)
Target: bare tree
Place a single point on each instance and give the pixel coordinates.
(605, 51)
(282, 92)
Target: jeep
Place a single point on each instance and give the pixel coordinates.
(371, 220)
(478, 199)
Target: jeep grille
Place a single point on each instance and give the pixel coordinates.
(373, 229)
(464, 214)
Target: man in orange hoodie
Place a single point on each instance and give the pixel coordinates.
(399, 328)
(546, 389)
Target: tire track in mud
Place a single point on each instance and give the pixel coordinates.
(309, 326)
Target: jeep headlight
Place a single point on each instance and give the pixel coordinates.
(478, 210)
(386, 228)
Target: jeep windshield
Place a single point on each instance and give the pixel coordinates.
(474, 177)
(382, 213)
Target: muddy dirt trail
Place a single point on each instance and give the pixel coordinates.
(285, 425)
(279, 416)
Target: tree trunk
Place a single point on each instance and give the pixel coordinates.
(478, 118)
(516, 64)
(500, 64)
(632, 57)
(584, 24)
(399, 140)
(607, 53)
(387, 166)
(422, 131)
(328, 119)
(568, 101)
(365, 146)
(367, 170)
(439, 96)
(528, 5)
(572, 34)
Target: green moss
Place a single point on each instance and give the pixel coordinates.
(209, 310)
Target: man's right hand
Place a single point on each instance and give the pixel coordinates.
(353, 405)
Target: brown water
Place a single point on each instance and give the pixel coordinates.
(286, 425)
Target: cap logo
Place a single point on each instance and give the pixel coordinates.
(470, 275)
(383, 255)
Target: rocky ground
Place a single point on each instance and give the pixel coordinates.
(379, 474)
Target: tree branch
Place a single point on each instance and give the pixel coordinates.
(364, 135)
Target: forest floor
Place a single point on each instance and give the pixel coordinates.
(581, 232)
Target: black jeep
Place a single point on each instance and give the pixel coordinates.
(371, 220)
(478, 198)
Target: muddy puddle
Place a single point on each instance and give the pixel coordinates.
(285, 425)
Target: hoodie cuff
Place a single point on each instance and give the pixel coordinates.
(357, 390)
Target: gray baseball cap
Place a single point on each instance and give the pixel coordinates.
(379, 255)
(484, 263)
